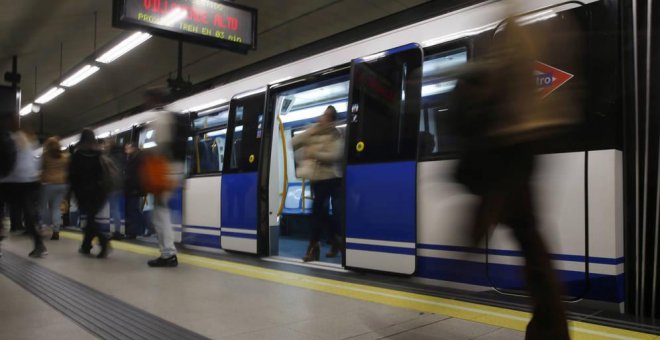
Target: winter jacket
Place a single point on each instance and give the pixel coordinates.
(54, 170)
(319, 151)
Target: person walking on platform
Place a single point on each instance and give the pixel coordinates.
(321, 153)
(133, 193)
(86, 176)
(54, 165)
(164, 169)
(503, 122)
(21, 188)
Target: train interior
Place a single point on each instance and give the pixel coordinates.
(291, 196)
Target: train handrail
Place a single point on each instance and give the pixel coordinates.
(286, 167)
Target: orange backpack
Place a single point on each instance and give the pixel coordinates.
(154, 175)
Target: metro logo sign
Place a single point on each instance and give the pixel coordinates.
(549, 78)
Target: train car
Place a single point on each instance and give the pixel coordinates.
(404, 214)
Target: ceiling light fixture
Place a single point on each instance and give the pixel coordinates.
(50, 95)
(123, 47)
(26, 110)
(79, 76)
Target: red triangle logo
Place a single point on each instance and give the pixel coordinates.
(549, 78)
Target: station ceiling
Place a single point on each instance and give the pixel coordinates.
(50, 37)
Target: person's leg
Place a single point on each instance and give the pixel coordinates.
(59, 191)
(29, 198)
(165, 233)
(131, 208)
(319, 218)
(336, 230)
(15, 211)
(115, 213)
(104, 241)
(549, 318)
(44, 199)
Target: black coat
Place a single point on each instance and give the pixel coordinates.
(86, 179)
(132, 185)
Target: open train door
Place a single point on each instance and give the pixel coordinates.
(381, 167)
(239, 189)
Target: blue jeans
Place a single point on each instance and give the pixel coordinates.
(51, 198)
(115, 210)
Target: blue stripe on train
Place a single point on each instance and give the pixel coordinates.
(601, 287)
(516, 253)
(380, 249)
(201, 240)
(239, 235)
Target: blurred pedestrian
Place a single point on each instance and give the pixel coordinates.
(163, 172)
(86, 176)
(21, 187)
(54, 176)
(502, 123)
(322, 151)
(7, 159)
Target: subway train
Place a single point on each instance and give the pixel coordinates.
(404, 213)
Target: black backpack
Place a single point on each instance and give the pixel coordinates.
(7, 153)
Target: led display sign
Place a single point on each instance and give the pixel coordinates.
(213, 23)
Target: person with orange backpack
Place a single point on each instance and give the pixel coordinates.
(162, 172)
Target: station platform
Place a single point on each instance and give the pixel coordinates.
(69, 296)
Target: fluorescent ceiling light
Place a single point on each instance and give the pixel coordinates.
(123, 47)
(173, 17)
(50, 95)
(103, 135)
(207, 105)
(26, 110)
(149, 145)
(79, 76)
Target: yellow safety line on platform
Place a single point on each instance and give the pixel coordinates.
(496, 316)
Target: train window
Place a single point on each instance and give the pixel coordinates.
(209, 151)
(301, 107)
(218, 117)
(207, 145)
(384, 103)
(247, 123)
(435, 134)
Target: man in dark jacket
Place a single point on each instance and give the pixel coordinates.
(86, 179)
(133, 192)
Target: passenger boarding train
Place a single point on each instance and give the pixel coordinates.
(404, 213)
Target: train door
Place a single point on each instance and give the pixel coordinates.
(239, 189)
(294, 107)
(201, 197)
(381, 166)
